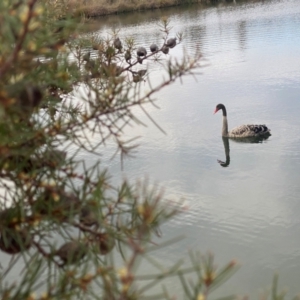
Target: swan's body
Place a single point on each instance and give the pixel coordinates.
(242, 131)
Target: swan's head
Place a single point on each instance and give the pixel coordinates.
(218, 107)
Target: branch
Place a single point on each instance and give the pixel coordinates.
(13, 58)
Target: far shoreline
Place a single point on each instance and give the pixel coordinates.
(94, 8)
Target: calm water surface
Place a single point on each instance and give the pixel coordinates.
(250, 209)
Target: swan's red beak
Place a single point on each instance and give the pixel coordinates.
(216, 110)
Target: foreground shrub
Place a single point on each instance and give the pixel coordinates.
(66, 230)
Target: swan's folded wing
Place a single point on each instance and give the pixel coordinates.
(249, 130)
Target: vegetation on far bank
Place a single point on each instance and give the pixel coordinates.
(93, 8)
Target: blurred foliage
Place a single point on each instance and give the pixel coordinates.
(66, 230)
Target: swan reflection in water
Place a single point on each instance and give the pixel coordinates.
(249, 140)
(227, 150)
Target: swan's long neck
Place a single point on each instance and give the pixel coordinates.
(225, 123)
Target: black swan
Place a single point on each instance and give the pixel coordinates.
(242, 131)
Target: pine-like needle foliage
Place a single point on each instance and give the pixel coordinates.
(66, 231)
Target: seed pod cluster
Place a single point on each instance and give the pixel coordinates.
(71, 252)
(105, 243)
(118, 44)
(88, 216)
(13, 241)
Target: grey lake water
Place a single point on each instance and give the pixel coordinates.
(248, 207)
(249, 210)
